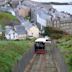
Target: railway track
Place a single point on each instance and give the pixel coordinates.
(42, 62)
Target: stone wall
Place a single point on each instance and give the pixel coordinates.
(66, 27)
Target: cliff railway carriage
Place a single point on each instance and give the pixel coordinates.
(40, 46)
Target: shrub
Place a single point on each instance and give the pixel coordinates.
(53, 33)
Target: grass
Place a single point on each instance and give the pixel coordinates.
(11, 52)
(65, 45)
(6, 18)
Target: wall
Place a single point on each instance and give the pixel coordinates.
(33, 31)
(41, 21)
(24, 11)
(66, 27)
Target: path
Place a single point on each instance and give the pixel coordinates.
(42, 63)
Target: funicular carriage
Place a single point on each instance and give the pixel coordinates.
(40, 46)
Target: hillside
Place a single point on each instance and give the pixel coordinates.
(7, 18)
(11, 52)
(65, 45)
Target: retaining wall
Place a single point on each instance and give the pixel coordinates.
(66, 27)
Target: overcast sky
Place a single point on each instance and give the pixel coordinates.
(53, 0)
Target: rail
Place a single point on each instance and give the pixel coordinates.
(59, 59)
(20, 65)
(52, 61)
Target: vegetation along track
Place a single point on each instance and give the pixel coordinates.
(42, 62)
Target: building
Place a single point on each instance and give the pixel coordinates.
(16, 32)
(21, 32)
(32, 29)
(3, 2)
(43, 18)
(10, 34)
(1, 32)
(23, 11)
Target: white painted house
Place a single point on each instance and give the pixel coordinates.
(41, 21)
(10, 34)
(43, 18)
(16, 32)
(32, 29)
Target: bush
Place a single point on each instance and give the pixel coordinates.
(65, 45)
(53, 33)
(11, 52)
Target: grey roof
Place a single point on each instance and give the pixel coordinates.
(43, 14)
(19, 29)
(7, 31)
(30, 4)
(1, 30)
(27, 25)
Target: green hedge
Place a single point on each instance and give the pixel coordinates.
(53, 32)
(6, 18)
(65, 45)
(11, 52)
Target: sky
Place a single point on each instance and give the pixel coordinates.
(53, 0)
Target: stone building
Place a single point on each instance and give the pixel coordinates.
(23, 11)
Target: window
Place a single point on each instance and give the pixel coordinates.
(50, 9)
(63, 16)
(14, 35)
(9, 36)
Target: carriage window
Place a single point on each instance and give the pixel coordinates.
(37, 44)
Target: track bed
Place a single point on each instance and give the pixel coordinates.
(42, 62)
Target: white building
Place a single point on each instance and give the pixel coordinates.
(43, 18)
(11, 35)
(31, 29)
(18, 32)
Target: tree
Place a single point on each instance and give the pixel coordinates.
(3, 31)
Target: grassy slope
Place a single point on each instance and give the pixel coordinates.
(65, 44)
(10, 52)
(53, 32)
(6, 18)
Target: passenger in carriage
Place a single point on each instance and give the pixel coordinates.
(39, 46)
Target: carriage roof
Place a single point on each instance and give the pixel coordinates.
(40, 40)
